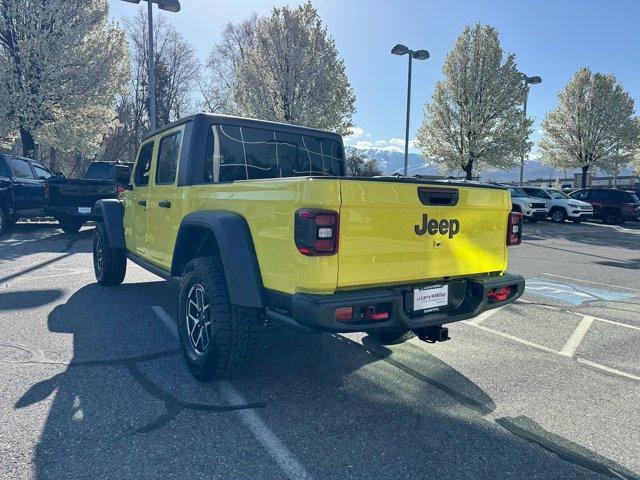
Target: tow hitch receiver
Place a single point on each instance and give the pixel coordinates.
(434, 334)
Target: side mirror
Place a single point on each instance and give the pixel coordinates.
(59, 175)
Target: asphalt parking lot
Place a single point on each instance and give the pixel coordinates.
(93, 385)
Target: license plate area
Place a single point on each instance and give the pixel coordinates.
(430, 298)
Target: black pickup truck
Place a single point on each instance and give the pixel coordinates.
(22, 189)
(71, 200)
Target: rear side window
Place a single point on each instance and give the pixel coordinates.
(241, 153)
(41, 172)
(143, 166)
(21, 169)
(4, 169)
(168, 155)
(580, 195)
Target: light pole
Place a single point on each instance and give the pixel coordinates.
(418, 55)
(169, 6)
(527, 81)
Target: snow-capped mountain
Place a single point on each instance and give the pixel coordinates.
(390, 161)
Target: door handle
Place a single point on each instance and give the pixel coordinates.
(142, 203)
(164, 204)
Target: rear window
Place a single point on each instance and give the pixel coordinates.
(241, 153)
(100, 171)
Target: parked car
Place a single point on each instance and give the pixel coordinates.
(210, 206)
(561, 206)
(612, 206)
(532, 208)
(71, 200)
(22, 189)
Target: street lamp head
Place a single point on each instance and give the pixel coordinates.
(534, 80)
(420, 54)
(169, 5)
(400, 49)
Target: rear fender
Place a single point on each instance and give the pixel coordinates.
(227, 234)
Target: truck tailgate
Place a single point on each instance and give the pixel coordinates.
(394, 232)
(79, 192)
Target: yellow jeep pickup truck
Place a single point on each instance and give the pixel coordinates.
(258, 223)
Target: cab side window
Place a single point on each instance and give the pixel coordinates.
(168, 155)
(21, 169)
(143, 166)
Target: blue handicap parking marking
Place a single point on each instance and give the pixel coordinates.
(572, 293)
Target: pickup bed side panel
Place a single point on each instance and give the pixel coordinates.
(269, 207)
(112, 212)
(236, 251)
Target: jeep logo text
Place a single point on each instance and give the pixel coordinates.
(433, 226)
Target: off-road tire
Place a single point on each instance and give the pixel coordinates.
(109, 264)
(70, 225)
(4, 222)
(558, 215)
(233, 328)
(391, 337)
(611, 217)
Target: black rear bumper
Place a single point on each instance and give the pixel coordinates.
(467, 299)
(63, 211)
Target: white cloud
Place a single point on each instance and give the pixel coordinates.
(355, 132)
(391, 145)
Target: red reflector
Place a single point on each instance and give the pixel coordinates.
(371, 315)
(304, 250)
(305, 214)
(343, 314)
(324, 246)
(499, 294)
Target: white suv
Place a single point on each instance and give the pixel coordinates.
(533, 209)
(561, 206)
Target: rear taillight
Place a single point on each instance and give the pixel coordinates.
(514, 228)
(499, 294)
(316, 232)
(119, 190)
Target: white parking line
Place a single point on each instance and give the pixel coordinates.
(483, 316)
(577, 336)
(277, 450)
(587, 281)
(614, 371)
(537, 346)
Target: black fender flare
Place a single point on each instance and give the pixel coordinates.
(236, 249)
(111, 212)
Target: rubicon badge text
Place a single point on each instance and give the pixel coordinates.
(433, 226)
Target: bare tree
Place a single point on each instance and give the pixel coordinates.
(594, 125)
(176, 66)
(474, 120)
(358, 166)
(224, 63)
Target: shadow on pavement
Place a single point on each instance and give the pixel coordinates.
(28, 299)
(125, 407)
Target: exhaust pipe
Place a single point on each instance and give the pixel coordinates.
(434, 334)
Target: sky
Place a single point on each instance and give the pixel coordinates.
(552, 39)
